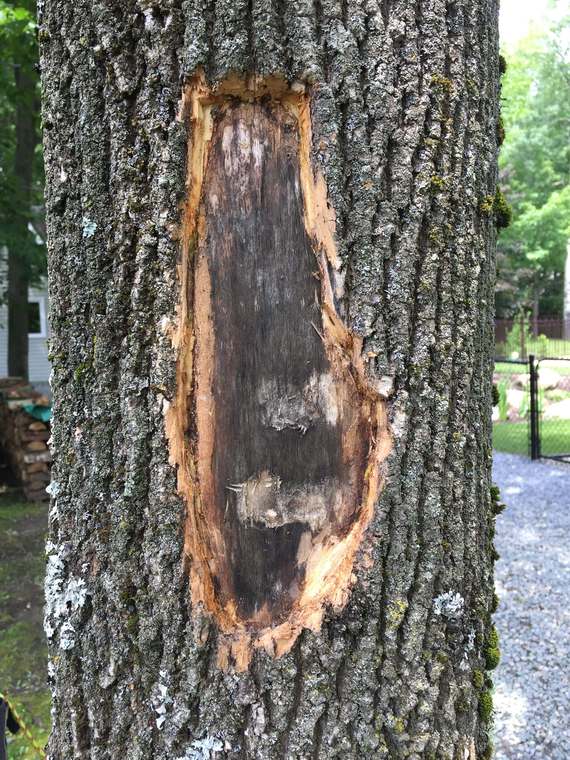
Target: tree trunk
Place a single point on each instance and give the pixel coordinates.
(567, 293)
(535, 310)
(18, 278)
(17, 293)
(271, 275)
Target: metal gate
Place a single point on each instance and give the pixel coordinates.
(549, 412)
(511, 410)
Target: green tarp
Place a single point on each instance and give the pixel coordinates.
(42, 413)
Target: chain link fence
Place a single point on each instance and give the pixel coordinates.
(553, 408)
(531, 411)
(526, 336)
(511, 410)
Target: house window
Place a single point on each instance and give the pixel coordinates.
(37, 323)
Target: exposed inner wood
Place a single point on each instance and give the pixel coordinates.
(276, 430)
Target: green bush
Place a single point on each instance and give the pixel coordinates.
(518, 338)
(524, 405)
(503, 404)
(541, 346)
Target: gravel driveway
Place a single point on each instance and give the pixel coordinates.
(532, 697)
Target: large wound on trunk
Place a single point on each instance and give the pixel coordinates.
(277, 432)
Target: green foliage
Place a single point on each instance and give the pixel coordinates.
(535, 172)
(542, 346)
(524, 406)
(503, 405)
(518, 338)
(23, 651)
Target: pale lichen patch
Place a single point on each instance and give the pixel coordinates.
(88, 227)
(204, 749)
(449, 605)
(64, 595)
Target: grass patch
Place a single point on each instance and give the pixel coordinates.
(562, 368)
(556, 395)
(555, 437)
(512, 437)
(508, 368)
(512, 368)
(23, 651)
(541, 346)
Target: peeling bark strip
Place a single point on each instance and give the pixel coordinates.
(277, 431)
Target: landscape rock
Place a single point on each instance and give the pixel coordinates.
(514, 398)
(559, 410)
(548, 379)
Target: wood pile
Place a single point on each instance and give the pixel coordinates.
(24, 438)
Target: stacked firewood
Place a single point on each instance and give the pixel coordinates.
(24, 438)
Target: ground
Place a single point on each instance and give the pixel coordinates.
(23, 657)
(532, 697)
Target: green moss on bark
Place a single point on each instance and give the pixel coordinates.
(486, 706)
(492, 652)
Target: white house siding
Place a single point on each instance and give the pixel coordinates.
(38, 363)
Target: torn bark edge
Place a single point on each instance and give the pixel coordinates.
(329, 570)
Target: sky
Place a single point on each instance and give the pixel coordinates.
(518, 17)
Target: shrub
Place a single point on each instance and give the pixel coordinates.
(503, 404)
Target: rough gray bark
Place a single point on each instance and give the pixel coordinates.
(404, 107)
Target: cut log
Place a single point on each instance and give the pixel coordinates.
(35, 446)
(37, 467)
(37, 426)
(24, 439)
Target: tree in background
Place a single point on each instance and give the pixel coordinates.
(21, 171)
(535, 173)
